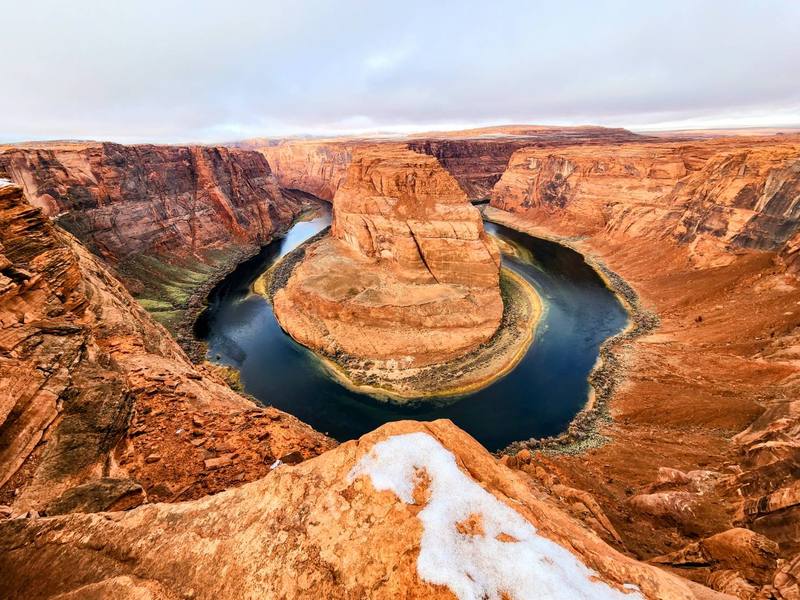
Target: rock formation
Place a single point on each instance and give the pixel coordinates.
(411, 510)
(94, 394)
(478, 157)
(317, 167)
(408, 277)
(164, 217)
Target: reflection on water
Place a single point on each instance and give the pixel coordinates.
(538, 398)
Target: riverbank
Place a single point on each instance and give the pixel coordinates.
(583, 432)
(439, 383)
(187, 311)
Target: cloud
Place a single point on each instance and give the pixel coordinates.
(203, 71)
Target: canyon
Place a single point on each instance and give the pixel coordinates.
(684, 483)
(100, 408)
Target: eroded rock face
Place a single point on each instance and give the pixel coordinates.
(410, 510)
(92, 388)
(404, 210)
(408, 275)
(709, 195)
(122, 200)
(318, 167)
(476, 158)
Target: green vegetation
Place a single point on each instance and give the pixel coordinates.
(164, 289)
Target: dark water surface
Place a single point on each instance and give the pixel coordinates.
(538, 398)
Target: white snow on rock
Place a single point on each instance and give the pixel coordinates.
(461, 526)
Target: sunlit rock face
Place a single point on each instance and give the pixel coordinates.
(176, 203)
(97, 400)
(712, 195)
(408, 274)
(404, 210)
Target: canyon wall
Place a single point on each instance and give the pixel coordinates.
(165, 217)
(476, 158)
(99, 407)
(698, 469)
(317, 167)
(710, 194)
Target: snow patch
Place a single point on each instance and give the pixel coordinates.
(471, 542)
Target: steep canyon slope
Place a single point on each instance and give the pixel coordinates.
(704, 437)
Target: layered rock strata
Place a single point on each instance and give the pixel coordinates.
(476, 158)
(99, 407)
(318, 167)
(410, 510)
(164, 217)
(738, 193)
(407, 279)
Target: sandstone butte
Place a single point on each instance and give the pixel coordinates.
(407, 279)
(696, 474)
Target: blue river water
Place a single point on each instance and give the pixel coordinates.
(538, 398)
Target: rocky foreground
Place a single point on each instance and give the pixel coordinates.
(411, 510)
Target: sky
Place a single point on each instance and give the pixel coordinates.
(200, 71)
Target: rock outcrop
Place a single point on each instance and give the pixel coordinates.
(97, 400)
(317, 167)
(477, 158)
(411, 510)
(408, 277)
(164, 217)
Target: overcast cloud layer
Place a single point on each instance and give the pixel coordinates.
(173, 71)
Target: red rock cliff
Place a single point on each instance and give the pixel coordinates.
(98, 404)
(711, 194)
(475, 158)
(166, 200)
(163, 216)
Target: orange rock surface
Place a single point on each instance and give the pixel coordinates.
(476, 158)
(703, 437)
